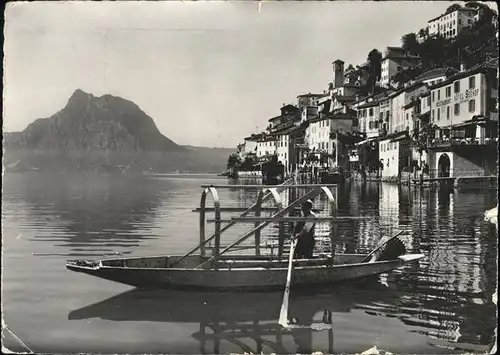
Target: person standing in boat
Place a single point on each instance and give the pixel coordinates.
(304, 233)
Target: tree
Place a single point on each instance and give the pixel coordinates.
(249, 162)
(234, 162)
(405, 75)
(423, 33)
(375, 60)
(452, 8)
(486, 14)
(410, 44)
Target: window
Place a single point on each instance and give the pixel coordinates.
(371, 111)
(370, 125)
(376, 124)
(448, 112)
(433, 98)
(438, 113)
(459, 21)
(327, 123)
(429, 101)
(457, 109)
(472, 105)
(457, 86)
(472, 82)
(432, 115)
(439, 95)
(448, 91)
(381, 116)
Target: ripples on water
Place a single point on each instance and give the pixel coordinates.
(442, 304)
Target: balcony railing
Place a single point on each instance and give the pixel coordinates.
(436, 173)
(446, 142)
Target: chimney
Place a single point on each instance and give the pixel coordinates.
(462, 67)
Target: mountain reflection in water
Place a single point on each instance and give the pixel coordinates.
(444, 300)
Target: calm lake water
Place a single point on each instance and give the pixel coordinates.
(440, 305)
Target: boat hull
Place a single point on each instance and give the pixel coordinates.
(237, 279)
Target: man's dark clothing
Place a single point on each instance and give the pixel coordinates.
(304, 232)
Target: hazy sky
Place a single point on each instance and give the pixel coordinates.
(208, 73)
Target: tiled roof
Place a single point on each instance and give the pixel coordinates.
(394, 136)
(312, 95)
(288, 130)
(351, 114)
(464, 74)
(369, 104)
(345, 98)
(253, 137)
(408, 88)
(435, 73)
(461, 9)
(400, 56)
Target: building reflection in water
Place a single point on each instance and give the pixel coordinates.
(241, 322)
(449, 284)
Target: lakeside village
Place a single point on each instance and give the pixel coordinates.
(420, 113)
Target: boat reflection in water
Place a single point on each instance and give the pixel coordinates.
(247, 322)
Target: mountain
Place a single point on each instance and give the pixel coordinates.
(93, 123)
(107, 134)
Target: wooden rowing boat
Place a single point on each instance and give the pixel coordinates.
(221, 271)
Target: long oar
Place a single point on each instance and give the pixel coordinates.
(369, 258)
(283, 320)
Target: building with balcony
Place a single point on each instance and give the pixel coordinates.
(286, 146)
(325, 135)
(385, 112)
(368, 117)
(395, 60)
(373, 113)
(266, 147)
(465, 95)
(449, 25)
(463, 134)
(394, 154)
(400, 99)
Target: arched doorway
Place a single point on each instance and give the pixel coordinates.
(444, 165)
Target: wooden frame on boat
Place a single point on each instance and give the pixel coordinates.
(219, 271)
